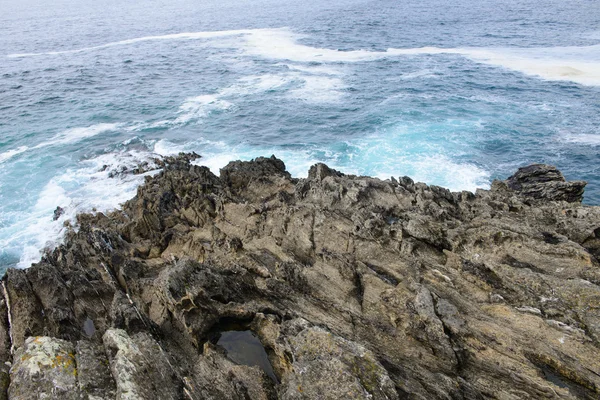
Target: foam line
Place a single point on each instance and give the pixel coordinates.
(175, 36)
(11, 153)
(580, 64)
(577, 64)
(588, 139)
(76, 134)
(311, 88)
(69, 136)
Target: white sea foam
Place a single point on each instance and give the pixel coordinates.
(319, 89)
(164, 147)
(312, 87)
(38, 230)
(589, 139)
(254, 84)
(215, 154)
(421, 74)
(68, 136)
(89, 187)
(265, 83)
(577, 64)
(175, 36)
(282, 44)
(11, 153)
(193, 109)
(217, 161)
(278, 43)
(370, 159)
(440, 170)
(198, 107)
(307, 87)
(315, 69)
(77, 134)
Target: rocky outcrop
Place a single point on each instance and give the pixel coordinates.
(545, 182)
(356, 288)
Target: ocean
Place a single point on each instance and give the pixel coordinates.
(452, 94)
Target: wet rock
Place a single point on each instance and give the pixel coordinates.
(58, 212)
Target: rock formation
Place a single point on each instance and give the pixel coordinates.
(356, 288)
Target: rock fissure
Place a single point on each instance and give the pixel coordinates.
(9, 317)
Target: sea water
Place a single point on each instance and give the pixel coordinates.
(453, 94)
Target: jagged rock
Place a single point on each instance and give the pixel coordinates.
(356, 288)
(25, 311)
(260, 178)
(321, 171)
(545, 182)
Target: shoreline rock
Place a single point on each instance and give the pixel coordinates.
(356, 288)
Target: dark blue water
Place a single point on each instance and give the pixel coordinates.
(450, 95)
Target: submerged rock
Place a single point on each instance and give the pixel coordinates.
(58, 212)
(355, 288)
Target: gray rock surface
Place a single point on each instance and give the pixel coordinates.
(545, 182)
(356, 288)
(44, 368)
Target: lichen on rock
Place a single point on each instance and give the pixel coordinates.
(44, 367)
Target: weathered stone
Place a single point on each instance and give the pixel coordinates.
(93, 371)
(139, 366)
(216, 377)
(328, 367)
(25, 310)
(356, 288)
(44, 368)
(545, 182)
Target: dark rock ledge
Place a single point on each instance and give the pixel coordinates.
(356, 287)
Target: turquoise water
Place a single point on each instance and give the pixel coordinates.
(454, 96)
